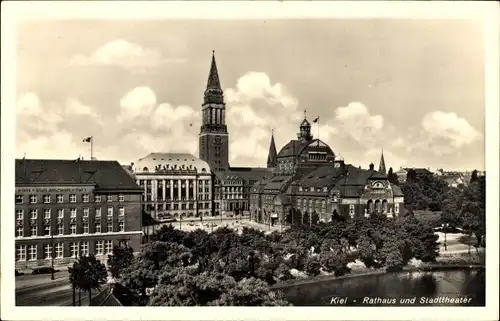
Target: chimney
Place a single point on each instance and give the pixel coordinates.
(372, 166)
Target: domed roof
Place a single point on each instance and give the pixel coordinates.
(296, 148)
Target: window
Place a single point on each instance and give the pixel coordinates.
(121, 211)
(84, 248)
(97, 198)
(86, 212)
(46, 213)
(73, 247)
(19, 232)
(46, 229)
(32, 252)
(72, 228)
(60, 229)
(99, 247)
(396, 208)
(34, 214)
(110, 198)
(121, 198)
(72, 198)
(98, 227)
(85, 198)
(21, 253)
(60, 213)
(33, 199)
(98, 212)
(60, 198)
(59, 250)
(19, 215)
(110, 211)
(109, 246)
(46, 199)
(85, 227)
(351, 210)
(47, 249)
(72, 212)
(33, 230)
(121, 226)
(109, 227)
(19, 199)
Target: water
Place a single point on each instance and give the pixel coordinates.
(394, 289)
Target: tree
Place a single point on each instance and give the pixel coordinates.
(312, 266)
(121, 258)
(187, 287)
(474, 177)
(366, 251)
(392, 177)
(87, 274)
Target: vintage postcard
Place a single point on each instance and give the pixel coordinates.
(255, 160)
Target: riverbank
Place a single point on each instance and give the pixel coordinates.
(359, 272)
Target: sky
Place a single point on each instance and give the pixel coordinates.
(414, 88)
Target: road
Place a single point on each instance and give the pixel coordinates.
(39, 290)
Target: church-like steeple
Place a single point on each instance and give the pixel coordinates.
(213, 93)
(272, 156)
(381, 168)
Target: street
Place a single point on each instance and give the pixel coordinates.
(40, 290)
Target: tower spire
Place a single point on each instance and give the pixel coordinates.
(213, 77)
(272, 156)
(381, 168)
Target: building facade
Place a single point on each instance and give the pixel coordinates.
(309, 180)
(66, 208)
(174, 185)
(232, 185)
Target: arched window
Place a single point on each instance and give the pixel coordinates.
(378, 206)
(369, 206)
(384, 206)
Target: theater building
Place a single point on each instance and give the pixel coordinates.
(65, 208)
(309, 180)
(174, 185)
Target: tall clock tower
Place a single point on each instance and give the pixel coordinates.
(214, 138)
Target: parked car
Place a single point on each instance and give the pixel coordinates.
(19, 273)
(44, 270)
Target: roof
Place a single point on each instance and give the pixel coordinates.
(419, 171)
(171, 162)
(292, 148)
(148, 220)
(305, 123)
(114, 294)
(248, 174)
(102, 174)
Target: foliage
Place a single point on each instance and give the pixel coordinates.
(423, 192)
(121, 258)
(87, 274)
(186, 287)
(392, 177)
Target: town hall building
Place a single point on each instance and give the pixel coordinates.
(232, 185)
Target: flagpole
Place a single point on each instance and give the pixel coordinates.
(91, 147)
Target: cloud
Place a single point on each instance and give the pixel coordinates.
(448, 128)
(255, 107)
(124, 54)
(139, 102)
(52, 130)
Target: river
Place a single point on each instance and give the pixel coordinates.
(465, 287)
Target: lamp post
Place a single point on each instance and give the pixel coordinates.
(445, 227)
(52, 256)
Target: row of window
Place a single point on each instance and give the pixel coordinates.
(33, 199)
(149, 197)
(59, 229)
(148, 182)
(169, 207)
(47, 212)
(29, 252)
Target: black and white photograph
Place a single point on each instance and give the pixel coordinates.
(180, 155)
